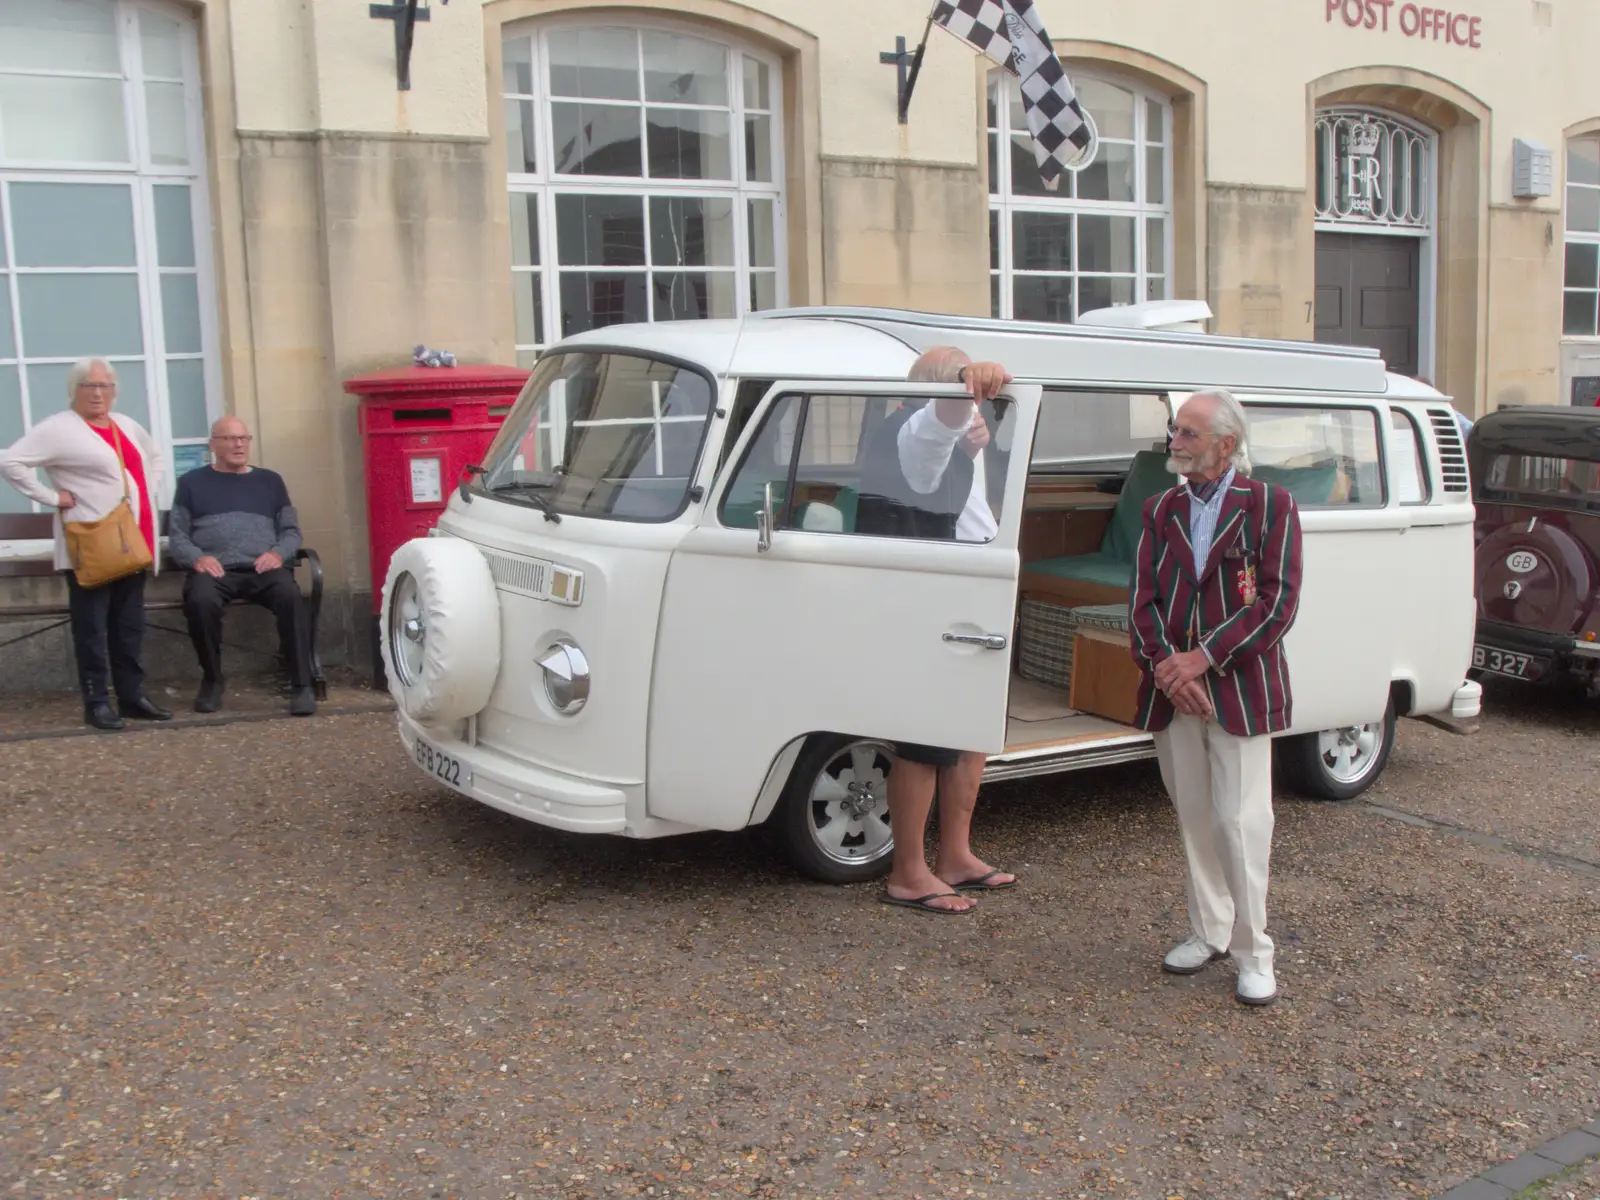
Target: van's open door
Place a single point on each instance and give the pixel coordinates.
(804, 603)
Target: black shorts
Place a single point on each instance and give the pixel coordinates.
(931, 756)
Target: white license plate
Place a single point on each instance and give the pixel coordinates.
(446, 768)
(1501, 662)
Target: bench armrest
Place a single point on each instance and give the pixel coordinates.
(313, 563)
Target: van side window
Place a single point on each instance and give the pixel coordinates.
(1326, 457)
(746, 400)
(1408, 467)
(870, 465)
(1091, 431)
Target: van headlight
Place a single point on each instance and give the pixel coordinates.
(566, 676)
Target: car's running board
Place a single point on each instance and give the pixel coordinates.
(1070, 758)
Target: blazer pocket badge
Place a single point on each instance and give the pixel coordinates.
(1246, 577)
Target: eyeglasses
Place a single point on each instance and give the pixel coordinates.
(1176, 431)
(97, 387)
(241, 438)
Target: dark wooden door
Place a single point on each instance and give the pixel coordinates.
(1368, 295)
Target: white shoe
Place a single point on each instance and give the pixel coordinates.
(1188, 957)
(1257, 988)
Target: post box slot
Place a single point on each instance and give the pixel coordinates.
(500, 410)
(422, 414)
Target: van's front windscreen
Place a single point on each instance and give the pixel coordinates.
(602, 435)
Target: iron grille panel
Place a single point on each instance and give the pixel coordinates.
(1452, 451)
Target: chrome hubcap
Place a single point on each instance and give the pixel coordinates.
(1350, 752)
(408, 629)
(849, 805)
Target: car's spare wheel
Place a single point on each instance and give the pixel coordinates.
(440, 629)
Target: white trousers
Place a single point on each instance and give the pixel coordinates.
(1221, 786)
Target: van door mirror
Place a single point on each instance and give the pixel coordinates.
(764, 520)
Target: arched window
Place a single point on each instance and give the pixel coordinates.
(1105, 236)
(646, 178)
(103, 217)
(1579, 315)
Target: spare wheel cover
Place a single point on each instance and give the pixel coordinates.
(440, 629)
(1538, 578)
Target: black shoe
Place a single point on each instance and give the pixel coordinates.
(143, 709)
(209, 698)
(303, 701)
(99, 715)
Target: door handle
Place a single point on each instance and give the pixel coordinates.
(989, 641)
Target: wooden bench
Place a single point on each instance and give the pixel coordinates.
(26, 527)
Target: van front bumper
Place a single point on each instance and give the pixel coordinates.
(522, 789)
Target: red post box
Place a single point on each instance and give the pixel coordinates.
(421, 427)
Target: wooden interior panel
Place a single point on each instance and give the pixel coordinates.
(1105, 679)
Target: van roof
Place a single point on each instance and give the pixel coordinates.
(880, 343)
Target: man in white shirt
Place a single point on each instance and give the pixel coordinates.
(927, 490)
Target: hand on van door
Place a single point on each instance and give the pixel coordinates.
(984, 381)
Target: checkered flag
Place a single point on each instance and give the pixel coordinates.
(1011, 33)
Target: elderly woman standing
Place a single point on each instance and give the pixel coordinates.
(79, 450)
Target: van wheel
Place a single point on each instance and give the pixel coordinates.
(834, 811)
(1337, 764)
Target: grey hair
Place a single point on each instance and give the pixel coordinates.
(941, 364)
(1228, 420)
(80, 371)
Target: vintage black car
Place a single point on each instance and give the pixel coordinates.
(1536, 483)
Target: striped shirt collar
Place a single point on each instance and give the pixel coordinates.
(1204, 492)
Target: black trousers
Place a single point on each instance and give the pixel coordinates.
(107, 636)
(205, 597)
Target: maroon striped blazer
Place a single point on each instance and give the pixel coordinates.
(1236, 606)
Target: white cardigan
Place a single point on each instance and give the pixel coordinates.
(78, 460)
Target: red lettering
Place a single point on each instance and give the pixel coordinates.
(1472, 35)
(1440, 22)
(1352, 21)
(1333, 7)
(1385, 5)
(1409, 12)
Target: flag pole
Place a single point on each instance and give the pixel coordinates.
(916, 67)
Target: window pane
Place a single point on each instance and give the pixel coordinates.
(1110, 105)
(521, 155)
(1155, 245)
(1041, 241)
(174, 226)
(1578, 314)
(767, 461)
(62, 120)
(763, 251)
(1155, 288)
(693, 296)
(595, 139)
(1105, 243)
(169, 132)
(598, 64)
(763, 291)
(758, 149)
(1155, 175)
(8, 343)
(1323, 456)
(1155, 121)
(592, 301)
(160, 46)
(994, 239)
(1096, 291)
(525, 229)
(757, 84)
(72, 224)
(180, 313)
(516, 66)
(688, 143)
(994, 296)
(600, 230)
(691, 231)
(679, 69)
(1583, 160)
(1583, 209)
(1042, 298)
(1110, 176)
(994, 164)
(186, 390)
(1025, 177)
(70, 316)
(64, 37)
(527, 300)
(1408, 474)
(47, 390)
(1581, 265)
(11, 500)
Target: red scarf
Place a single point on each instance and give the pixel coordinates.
(135, 464)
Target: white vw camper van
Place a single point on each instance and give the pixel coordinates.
(668, 600)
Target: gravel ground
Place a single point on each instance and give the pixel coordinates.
(347, 982)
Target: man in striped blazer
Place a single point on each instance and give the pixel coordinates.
(1216, 585)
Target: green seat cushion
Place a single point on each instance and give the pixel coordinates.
(1147, 476)
(1308, 485)
(1098, 567)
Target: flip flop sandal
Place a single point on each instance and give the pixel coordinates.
(982, 884)
(921, 904)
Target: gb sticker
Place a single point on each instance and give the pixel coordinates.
(1522, 561)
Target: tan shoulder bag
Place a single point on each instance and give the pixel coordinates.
(113, 547)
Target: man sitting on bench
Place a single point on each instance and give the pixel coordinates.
(232, 529)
